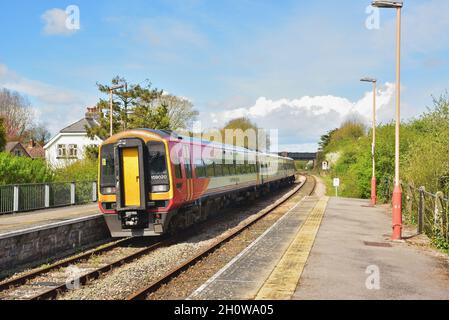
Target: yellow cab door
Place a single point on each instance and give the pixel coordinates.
(131, 177)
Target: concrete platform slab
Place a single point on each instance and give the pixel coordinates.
(243, 277)
(353, 258)
(21, 221)
(30, 239)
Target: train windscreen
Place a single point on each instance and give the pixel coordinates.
(157, 164)
(107, 170)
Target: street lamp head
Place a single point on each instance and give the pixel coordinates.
(117, 87)
(367, 79)
(396, 4)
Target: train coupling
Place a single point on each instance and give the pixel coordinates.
(134, 219)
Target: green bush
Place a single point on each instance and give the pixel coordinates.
(19, 170)
(84, 170)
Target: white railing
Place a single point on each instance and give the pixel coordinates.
(29, 197)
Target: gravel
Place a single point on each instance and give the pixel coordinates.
(121, 282)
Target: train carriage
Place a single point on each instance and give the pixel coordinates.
(152, 182)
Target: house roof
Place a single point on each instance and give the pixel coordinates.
(11, 145)
(36, 152)
(79, 126)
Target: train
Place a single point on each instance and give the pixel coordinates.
(155, 182)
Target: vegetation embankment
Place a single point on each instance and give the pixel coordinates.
(424, 153)
(424, 163)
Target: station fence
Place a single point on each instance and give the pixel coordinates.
(429, 211)
(29, 197)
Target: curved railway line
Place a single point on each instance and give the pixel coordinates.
(151, 288)
(50, 282)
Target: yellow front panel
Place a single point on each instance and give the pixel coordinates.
(131, 179)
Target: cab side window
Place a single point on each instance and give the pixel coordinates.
(200, 168)
(187, 163)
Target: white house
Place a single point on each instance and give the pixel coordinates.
(69, 144)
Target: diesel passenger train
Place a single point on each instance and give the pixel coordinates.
(153, 182)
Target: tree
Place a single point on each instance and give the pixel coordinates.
(140, 107)
(180, 111)
(2, 135)
(326, 139)
(15, 110)
(146, 116)
(245, 133)
(39, 133)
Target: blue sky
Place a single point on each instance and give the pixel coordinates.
(291, 65)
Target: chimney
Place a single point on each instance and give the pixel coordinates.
(92, 113)
(31, 143)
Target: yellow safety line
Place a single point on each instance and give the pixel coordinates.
(283, 281)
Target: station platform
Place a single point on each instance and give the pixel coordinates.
(41, 218)
(354, 258)
(331, 248)
(34, 238)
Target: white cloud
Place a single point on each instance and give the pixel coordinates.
(53, 105)
(300, 122)
(55, 23)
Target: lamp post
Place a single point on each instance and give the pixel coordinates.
(111, 91)
(397, 193)
(373, 148)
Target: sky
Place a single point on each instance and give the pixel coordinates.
(291, 66)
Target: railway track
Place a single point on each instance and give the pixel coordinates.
(25, 286)
(151, 288)
(51, 281)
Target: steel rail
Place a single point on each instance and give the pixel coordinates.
(23, 279)
(167, 277)
(54, 292)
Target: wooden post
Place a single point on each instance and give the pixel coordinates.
(440, 214)
(421, 210)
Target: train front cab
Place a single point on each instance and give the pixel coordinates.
(135, 185)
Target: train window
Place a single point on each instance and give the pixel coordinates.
(238, 168)
(107, 172)
(226, 168)
(157, 163)
(187, 163)
(178, 171)
(232, 168)
(210, 170)
(200, 168)
(218, 168)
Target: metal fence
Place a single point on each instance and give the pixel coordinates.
(28, 197)
(429, 211)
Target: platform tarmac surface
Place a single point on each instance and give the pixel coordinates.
(348, 255)
(353, 247)
(40, 218)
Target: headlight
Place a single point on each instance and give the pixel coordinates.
(108, 190)
(163, 188)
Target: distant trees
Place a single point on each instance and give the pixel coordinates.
(141, 106)
(181, 112)
(240, 132)
(2, 135)
(16, 112)
(38, 133)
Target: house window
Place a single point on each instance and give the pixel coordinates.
(73, 151)
(62, 151)
(17, 152)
